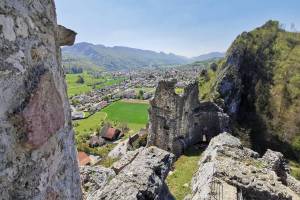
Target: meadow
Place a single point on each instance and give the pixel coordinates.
(132, 113)
(89, 124)
(90, 83)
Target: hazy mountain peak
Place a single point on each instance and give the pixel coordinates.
(122, 58)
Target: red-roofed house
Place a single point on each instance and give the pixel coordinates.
(83, 158)
(111, 133)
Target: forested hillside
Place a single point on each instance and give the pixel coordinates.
(258, 83)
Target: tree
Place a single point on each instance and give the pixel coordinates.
(214, 67)
(124, 127)
(80, 80)
(105, 98)
(262, 96)
(141, 94)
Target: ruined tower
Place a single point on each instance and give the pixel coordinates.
(37, 151)
(178, 121)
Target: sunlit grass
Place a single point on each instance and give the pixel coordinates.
(184, 169)
(295, 169)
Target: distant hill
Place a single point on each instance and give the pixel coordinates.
(209, 56)
(87, 55)
(117, 58)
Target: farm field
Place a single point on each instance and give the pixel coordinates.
(90, 83)
(134, 114)
(90, 124)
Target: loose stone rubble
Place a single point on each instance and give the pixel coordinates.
(176, 122)
(140, 175)
(229, 170)
(37, 151)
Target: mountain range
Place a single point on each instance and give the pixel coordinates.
(87, 55)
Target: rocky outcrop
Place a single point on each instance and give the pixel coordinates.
(230, 171)
(140, 175)
(94, 178)
(133, 142)
(255, 83)
(66, 37)
(177, 122)
(37, 151)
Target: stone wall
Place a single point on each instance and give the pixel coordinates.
(37, 151)
(177, 122)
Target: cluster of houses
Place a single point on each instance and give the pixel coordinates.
(110, 134)
(107, 134)
(145, 78)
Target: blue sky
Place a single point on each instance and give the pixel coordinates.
(184, 27)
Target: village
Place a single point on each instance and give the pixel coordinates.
(137, 84)
(138, 87)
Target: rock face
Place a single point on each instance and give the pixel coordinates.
(177, 122)
(140, 176)
(255, 82)
(230, 171)
(37, 151)
(94, 178)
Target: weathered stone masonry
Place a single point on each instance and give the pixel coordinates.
(177, 122)
(37, 152)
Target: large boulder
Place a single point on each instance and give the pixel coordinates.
(140, 176)
(37, 151)
(229, 170)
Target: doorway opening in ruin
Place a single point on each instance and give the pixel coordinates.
(204, 139)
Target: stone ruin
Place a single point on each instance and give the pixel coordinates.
(178, 121)
(37, 151)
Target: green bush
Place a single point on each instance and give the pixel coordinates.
(80, 80)
(140, 142)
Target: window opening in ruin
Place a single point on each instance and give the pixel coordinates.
(196, 110)
(166, 127)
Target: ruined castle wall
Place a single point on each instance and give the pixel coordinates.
(176, 122)
(188, 122)
(37, 151)
(164, 113)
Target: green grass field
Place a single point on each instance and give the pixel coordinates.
(89, 83)
(90, 124)
(185, 167)
(134, 114)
